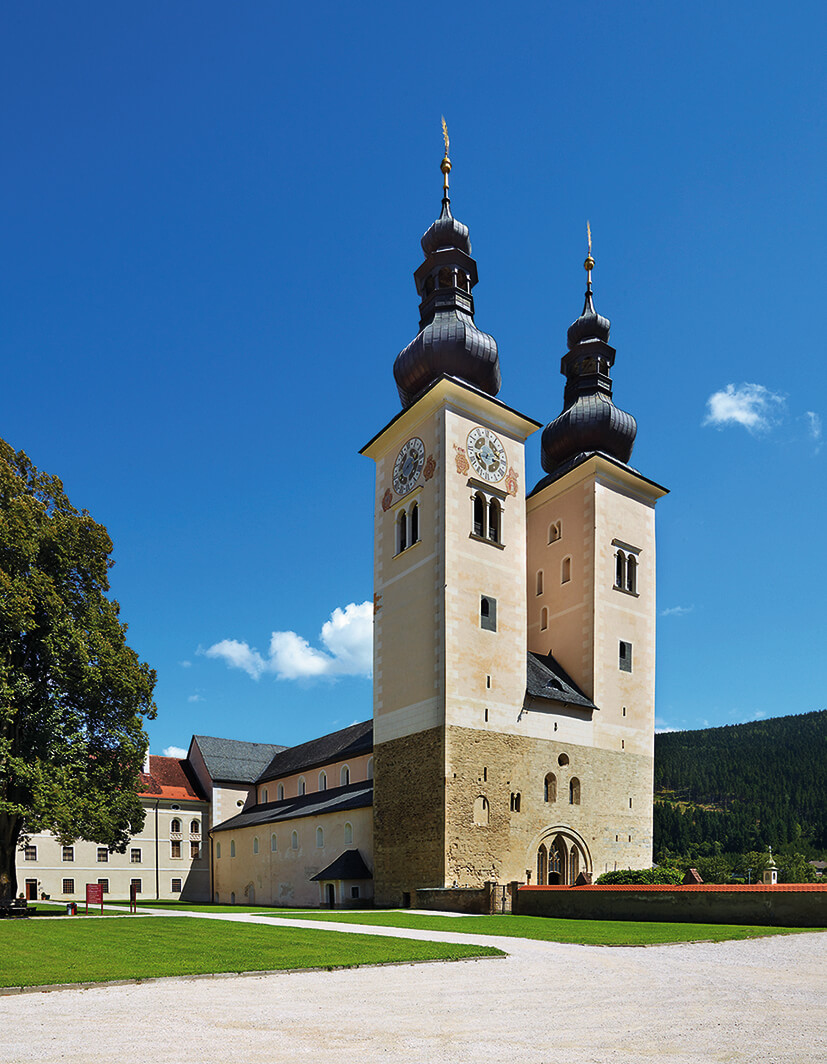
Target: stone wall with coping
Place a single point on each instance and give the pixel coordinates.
(784, 905)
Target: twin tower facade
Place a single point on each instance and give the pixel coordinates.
(514, 638)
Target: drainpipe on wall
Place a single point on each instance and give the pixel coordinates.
(157, 870)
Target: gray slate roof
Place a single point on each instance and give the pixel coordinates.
(546, 678)
(335, 800)
(337, 746)
(232, 760)
(348, 865)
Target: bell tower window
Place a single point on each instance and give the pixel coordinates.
(487, 517)
(627, 562)
(488, 613)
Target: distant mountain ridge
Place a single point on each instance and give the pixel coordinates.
(743, 786)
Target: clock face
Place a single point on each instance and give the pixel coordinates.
(487, 454)
(408, 466)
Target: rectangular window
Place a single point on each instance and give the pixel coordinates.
(195, 850)
(354, 892)
(103, 855)
(31, 853)
(68, 853)
(175, 848)
(68, 886)
(136, 883)
(176, 886)
(515, 802)
(625, 657)
(104, 885)
(135, 856)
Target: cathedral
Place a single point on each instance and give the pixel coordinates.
(514, 649)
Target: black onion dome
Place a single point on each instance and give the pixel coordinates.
(451, 343)
(589, 326)
(590, 421)
(448, 341)
(446, 232)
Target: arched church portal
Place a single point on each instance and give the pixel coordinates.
(560, 858)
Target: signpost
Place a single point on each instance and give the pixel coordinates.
(94, 894)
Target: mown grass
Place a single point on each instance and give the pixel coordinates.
(36, 953)
(548, 929)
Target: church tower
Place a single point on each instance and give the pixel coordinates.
(591, 594)
(449, 580)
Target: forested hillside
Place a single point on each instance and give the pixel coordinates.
(743, 787)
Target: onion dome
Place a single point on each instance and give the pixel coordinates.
(590, 421)
(448, 341)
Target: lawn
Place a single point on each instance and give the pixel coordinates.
(583, 932)
(36, 953)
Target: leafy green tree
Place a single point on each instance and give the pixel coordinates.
(72, 693)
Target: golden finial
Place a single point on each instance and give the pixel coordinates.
(445, 165)
(588, 265)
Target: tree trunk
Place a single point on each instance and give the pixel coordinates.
(10, 827)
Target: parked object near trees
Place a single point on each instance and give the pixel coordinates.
(72, 693)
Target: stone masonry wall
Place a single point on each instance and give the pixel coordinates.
(613, 819)
(409, 815)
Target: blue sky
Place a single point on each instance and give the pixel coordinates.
(212, 219)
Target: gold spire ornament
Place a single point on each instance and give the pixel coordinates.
(588, 265)
(445, 165)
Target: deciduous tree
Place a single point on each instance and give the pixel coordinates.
(72, 693)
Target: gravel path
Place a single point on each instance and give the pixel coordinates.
(762, 1001)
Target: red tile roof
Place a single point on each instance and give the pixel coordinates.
(169, 778)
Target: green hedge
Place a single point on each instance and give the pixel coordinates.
(639, 876)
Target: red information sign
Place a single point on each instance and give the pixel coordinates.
(94, 894)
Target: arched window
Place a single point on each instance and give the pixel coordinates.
(554, 532)
(294, 840)
(515, 801)
(574, 791)
(319, 838)
(488, 613)
(542, 867)
(344, 776)
(323, 780)
(232, 897)
(401, 531)
(479, 514)
(620, 569)
(175, 825)
(539, 581)
(280, 793)
(544, 618)
(218, 850)
(494, 521)
(481, 811)
(348, 832)
(232, 847)
(565, 571)
(563, 759)
(255, 844)
(550, 788)
(195, 827)
(265, 796)
(274, 843)
(302, 785)
(415, 523)
(370, 768)
(631, 574)
(574, 865)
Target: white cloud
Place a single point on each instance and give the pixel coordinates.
(753, 406)
(195, 698)
(814, 427)
(676, 611)
(185, 664)
(347, 638)
(661, 726)
(175, 751)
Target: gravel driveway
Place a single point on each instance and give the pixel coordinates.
(762, 1001)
